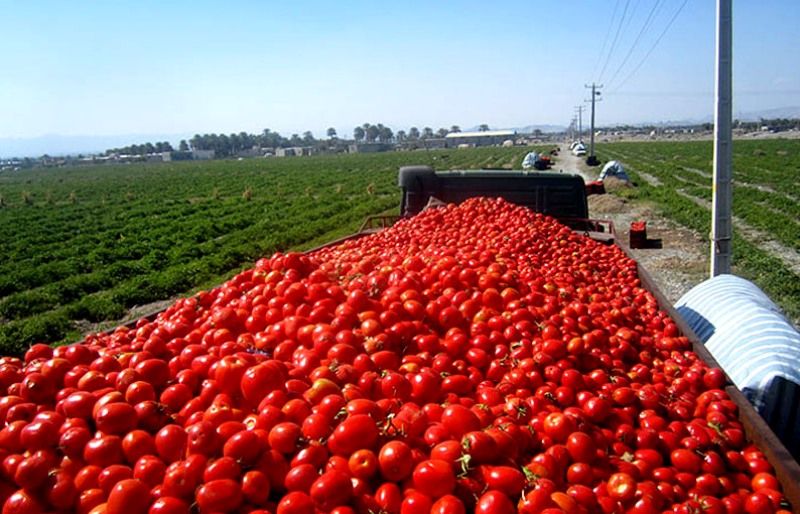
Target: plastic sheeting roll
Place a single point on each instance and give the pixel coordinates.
(614, 169)
(530, 160)
(755, 345)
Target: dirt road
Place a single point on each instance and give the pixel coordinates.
(569, 163)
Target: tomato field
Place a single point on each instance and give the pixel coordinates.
(676, 177)
(474, 358)
(83, 245)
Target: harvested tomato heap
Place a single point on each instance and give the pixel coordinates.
(478, 358)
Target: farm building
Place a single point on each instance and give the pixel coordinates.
(487, 138)
(294, 151)
(369, 147)
(202, 155)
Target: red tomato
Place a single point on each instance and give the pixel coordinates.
(354, 433)
(621, 486)
(494, 502)
(223, 495)
(448, 504)
(256, 487)
(363, 464)
(395, 461)
(434, 478)
(558, 426)
(260, 380)
(295, 503)
(331, 489)
(505, 479)
(130, 496)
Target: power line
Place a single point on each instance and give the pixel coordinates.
(631, 17)
(655, 44)
(636, 41)
(614, 41)
(605, 39)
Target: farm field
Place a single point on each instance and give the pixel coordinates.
(676, 178)
(80, 246)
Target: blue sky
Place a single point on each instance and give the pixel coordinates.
(146, 67)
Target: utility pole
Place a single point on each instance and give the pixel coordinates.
(722, 194)
(592, 160)
(579, 109)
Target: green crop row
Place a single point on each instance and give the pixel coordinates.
(768, 209)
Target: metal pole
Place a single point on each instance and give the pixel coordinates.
(722, 193)
(592, 160)
(591, 136)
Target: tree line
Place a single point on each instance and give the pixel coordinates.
(142, 149)
(226, 145)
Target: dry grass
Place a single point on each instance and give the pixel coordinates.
(27, 198)
(247, 194)
(614, 184)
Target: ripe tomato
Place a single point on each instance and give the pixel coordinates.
(448, 504)
(621, 486)
(260, 380)
(505, 479)
(558, 426)
(458, 420)
(434, 478)
(223, 495)
(395, 461)
(295, 503)
(331, 489)
(354, 433)
(129, 495)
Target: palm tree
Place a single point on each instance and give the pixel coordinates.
(455, 129)
(331, 133)
(401, 136)
(385, 135)
(372, 133)
(427, 133)
(413, 133)
(484, 127)
(358, 134)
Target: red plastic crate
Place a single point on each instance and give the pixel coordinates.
(638, 234)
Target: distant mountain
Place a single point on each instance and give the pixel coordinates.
(766, 114)
(58, 145)
(528, 129)
(547, 129)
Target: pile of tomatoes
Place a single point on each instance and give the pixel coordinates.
(474, 358)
